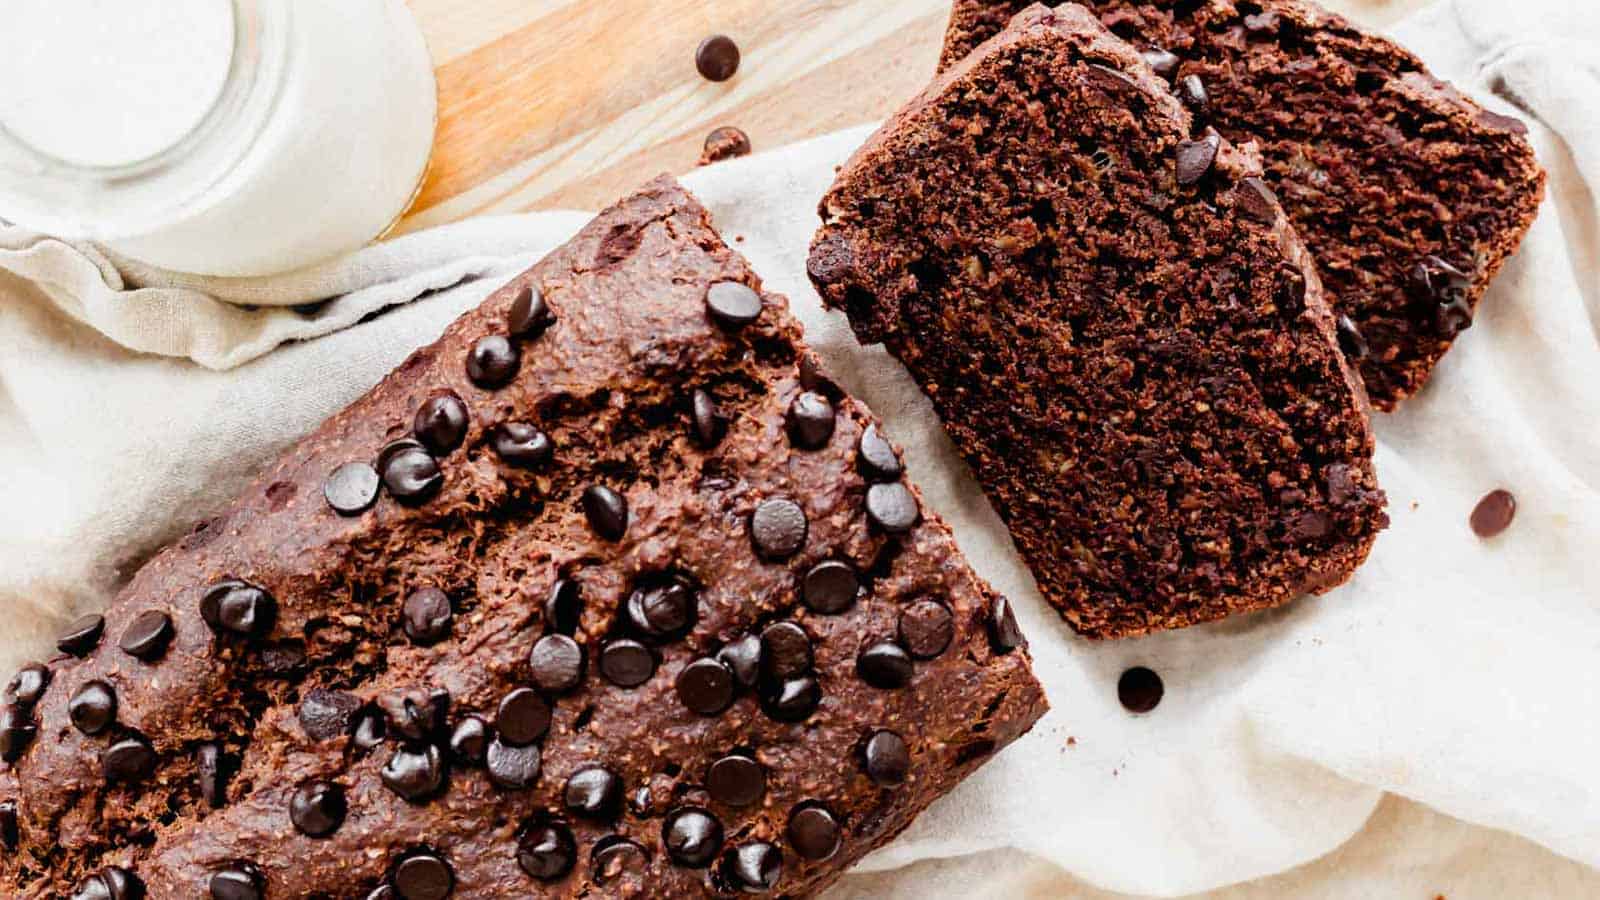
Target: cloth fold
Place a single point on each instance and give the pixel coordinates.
(1453, 671)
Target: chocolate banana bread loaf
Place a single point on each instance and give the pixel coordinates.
(609, 592)
(1410, 195)
(1117, 326)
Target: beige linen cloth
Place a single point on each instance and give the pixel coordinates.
(1458, 678)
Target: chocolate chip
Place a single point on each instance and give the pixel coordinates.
(778, 528)
(521, 444)
(129, 759)
(593, 792)
(705, 686)
(1256, 200)
(875, 456)
(1494, 513)
(614, 855)
(1164, 62)
(82, 635)
(755, 868)
(692, 836)
(785, 651)
(811, 420)
(1192, 91)
(318, 808)
(641, 802)
(830, 587)
(627, 663)
(441, 423)
(926, 628)
(427, 616)
(370, 730)
(493, 361)
(529, 315)
(238, 607)
(238, 881)
(792, 700)
(1139, 689)
(563, 607)
(736, 781)
(16, 732)
(1195, 158)
(892, 507)
(523, 717)
(717, 58)
(813, 832)
(383, 892)
(211, 770)
(547, 851)
(28, 685)
(469, 740)
(606, 510)
(557, 663)
(885, 665)
(661, 609)
(93, 707)
(1450, 289)
(1350, 340)
(410, 473)
(1004, 635)
(423, 875)
(725, 142)
(110, 883)
(515, 768)
(351, 489)
(326, 714)
(733, 304)
(887, 759)
(10, 827)
(147, 637)
(710, 425)
(415, 772)
(743, 659)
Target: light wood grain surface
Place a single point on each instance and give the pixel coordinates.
(547, 104)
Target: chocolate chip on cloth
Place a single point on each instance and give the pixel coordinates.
(489, 673)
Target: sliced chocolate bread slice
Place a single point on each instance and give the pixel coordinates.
(1118, 327)
(1410, 195)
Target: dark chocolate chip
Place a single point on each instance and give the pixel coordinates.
(792, 700)
(530, 315)
(743, 659)
(238, 607)
(441, 423)
(1192, 91)
(626, 662)
(811, 420)
(1351, 341)
(887, 758)
(326, 714)
(110, 883)
(383, 892)
(755, 868)
(705, 686)
(710, 425)
(733, 304)
(563, 607)
(892, 507)
(875, 456)
(395, 446)
(514, 768)
(147, 637)
(692, 836)
(642, 802)
(16, 732)
(10, 826)
(607, 511)
(82, 635)
(1004, 635)
(662, 609)
(351, 489)
(830, 587)
(1164, 62)
(318, 808)
(411, 474)
(238, 881)
(1450, 289)
(593, 792)
(557, 663)
(778, 528)
(717, 58)
(736, 781)
(492, 362)
(129, 759)
(885, 665)
(724, 142)
(423, 875)
(469, 740)
(547, 851)
(93, 707)
(28, 685)
(1494, 513)
(813, 832)
(521, 444)
(370, 731)
(211, 769)
(415, 772)
(1195, 158)
(614, 856)
(523, 717)
(427, 616)
(926, 628)
(1139, 689)
(1256, 200)
(785, 651)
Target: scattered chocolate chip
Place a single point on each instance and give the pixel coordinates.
(415, 772)
(1004, 635)
(733, 304)
(792, 700)
(427, 616)
(530, 315)
(1350, 340)
(326, 714)
(887, 759)
(238, 607)
(785, 651)
(1256, 200)
(318, 808)
(28, 685)
(563, 607)
(830, 587)
(692, 836)
(1192, 91)
(614, 855)
(441, 423)
(926, 628)
(82, 635)
(547, 851)
(1450, 289)
(736, 781)
(755, 868)
(813, 832)
(892, 507)
(627, 663)
(1164, 62)
(743, 659)
(661, 609)
(523, 717)
(423, 875)
(521, 444)
(717, 58)
(16, 732)
(1139, 689)
(370, 731)
(885, 665)
(410, 473)
(469, 740)
(705, 686)
(1195, 158)
(594, 792)
(110, 883)
(811, 420)
(493, 361)
(10, 826)
(557, 663)
(725, 142)
(778, 528)
(607, 511)
(1494, 513)
(211, 769)
(93, 707)
(238, 881)
(875, 456)
(514, 768)
(147, 637)
(351, 489)
(130, 759)
(710, 425)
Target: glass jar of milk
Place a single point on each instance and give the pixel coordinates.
(221, 137)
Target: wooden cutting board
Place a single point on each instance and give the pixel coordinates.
(550, 104)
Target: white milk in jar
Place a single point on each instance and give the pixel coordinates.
(222, 137)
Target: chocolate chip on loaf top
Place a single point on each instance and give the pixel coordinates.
(609, 592)
(1410, 195)
(1117, 326)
